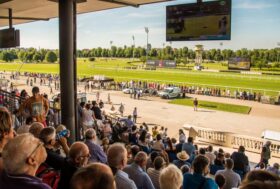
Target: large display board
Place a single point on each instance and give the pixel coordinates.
(199, 21)
(161, 63)
(238, 63)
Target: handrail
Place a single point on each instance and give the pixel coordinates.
(231, 140)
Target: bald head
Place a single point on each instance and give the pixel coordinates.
(93, 176)
(117, 156)
(23, 155)
(79, 154)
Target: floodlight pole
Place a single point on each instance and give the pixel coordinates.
(133, 48)
(147, 31)
(66, 65)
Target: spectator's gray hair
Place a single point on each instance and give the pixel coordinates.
(90, 134)
(140, 157)
(16, 152)
(170, 177)
(36, 128)
(115, 155)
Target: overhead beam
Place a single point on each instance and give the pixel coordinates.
(121, 2)
(24, 18)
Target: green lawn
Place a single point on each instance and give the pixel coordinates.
(214, 106)
(270, 85)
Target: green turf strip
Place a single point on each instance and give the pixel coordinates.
(213, 105)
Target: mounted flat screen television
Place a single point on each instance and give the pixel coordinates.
(9, 38)
(199, 21)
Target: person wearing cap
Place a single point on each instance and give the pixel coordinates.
(37, 106)
(182, 159)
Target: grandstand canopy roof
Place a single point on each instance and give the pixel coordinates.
(46, 9)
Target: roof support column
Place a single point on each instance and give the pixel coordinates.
(66, 49)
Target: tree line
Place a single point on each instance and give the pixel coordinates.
(259, 57)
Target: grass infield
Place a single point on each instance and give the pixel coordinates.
(213, 105)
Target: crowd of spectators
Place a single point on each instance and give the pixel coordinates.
(116, 153)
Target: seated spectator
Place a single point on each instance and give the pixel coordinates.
(198, 179)
(105, 144)
(78, 157)
(96, 152)
(260, 175)
(36, 128)
(261, 185)
(170, 178)
(274, 169)
(182, 159)
(117, 160)
(48, 137)
(158, 145)
(154, 173)
(233, 180)
(259, 178)
(25, 128)
(220, 180)
(133, 151)
(260, 166)
(185, 169)
(6, 131)
(136, 171)
(220, 159)
(241, 162)
(21, 158)
(93, 176)
(211, 156)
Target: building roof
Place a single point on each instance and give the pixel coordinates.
(47, 9)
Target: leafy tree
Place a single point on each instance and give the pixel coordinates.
(51, 57)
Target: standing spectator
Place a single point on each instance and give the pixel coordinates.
(241, 162)
(136, 172)
(134, 114)
(93, 176)
(96, 152)
(266, 153)
(88, 117)
(195, 104)
(117, 160)
(233, 180)
(37, 106)
(121, 109)
(189, 147)
(6, 131)
(154, 173)
(198, 179)
(96, 110)
(170, 178)
(211, 156)
(21, 158)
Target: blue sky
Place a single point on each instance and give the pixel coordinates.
(255, 24)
